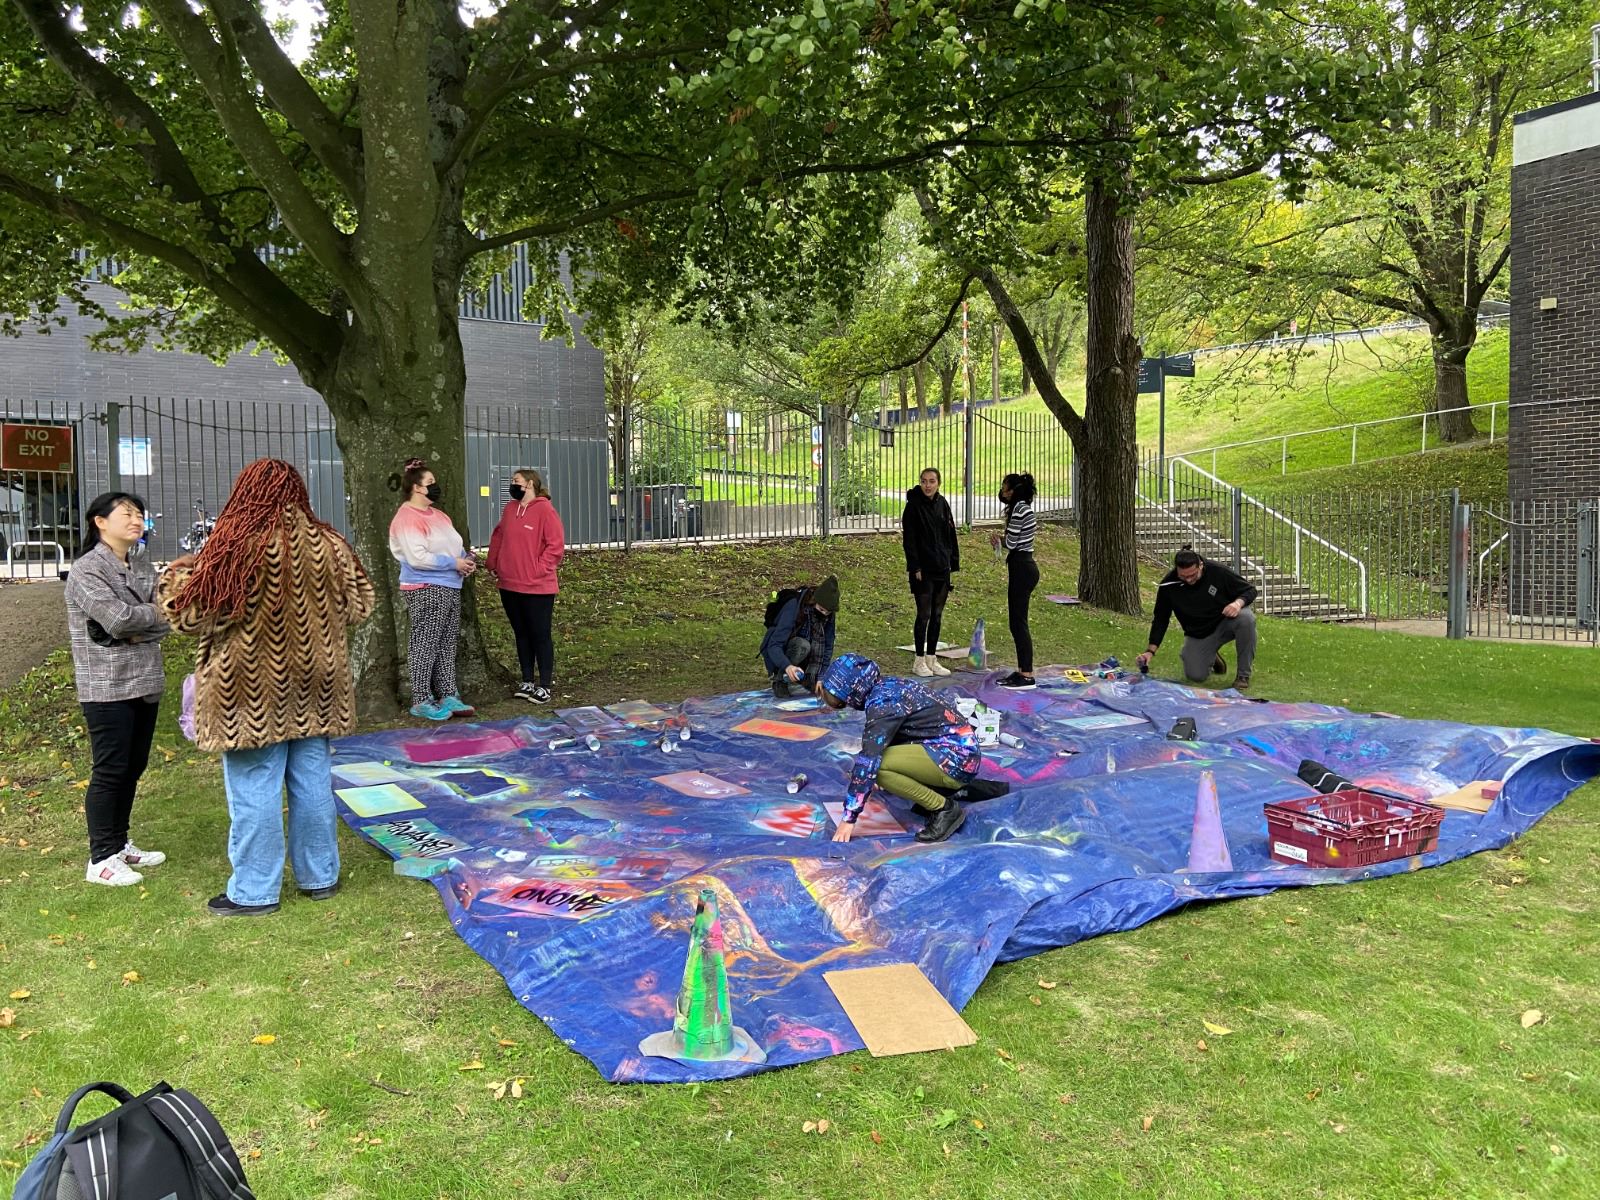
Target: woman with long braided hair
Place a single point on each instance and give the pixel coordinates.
(270, 601)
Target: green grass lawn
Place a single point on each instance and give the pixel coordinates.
(1376, 1047)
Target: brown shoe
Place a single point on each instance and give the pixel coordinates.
(1241, 683)
(1218, 667)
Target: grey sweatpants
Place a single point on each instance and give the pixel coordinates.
(1198, 652)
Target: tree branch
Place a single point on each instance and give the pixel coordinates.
(292, 94)
(944, 328)
(216, 68)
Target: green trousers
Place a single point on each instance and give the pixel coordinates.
(908, 771)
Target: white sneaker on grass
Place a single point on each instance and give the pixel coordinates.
(141, 860)
(935, 667)
(112, 872)
(921, 669)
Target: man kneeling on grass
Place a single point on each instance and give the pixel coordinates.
(1212, 605)
(914, 745)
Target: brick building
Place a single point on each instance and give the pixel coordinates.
(1554, 444)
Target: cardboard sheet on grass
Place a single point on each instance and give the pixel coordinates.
(575, 873)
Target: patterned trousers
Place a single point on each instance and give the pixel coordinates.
(435, 614)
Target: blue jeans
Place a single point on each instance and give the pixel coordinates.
(255, 782)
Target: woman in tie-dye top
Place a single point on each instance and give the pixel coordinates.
(433, 562)
(914, 745)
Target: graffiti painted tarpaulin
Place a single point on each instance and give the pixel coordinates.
(576, 873)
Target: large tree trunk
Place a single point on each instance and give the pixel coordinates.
(1451, 346)
(947, 387)
(904, 399)
(1027, 380)
(1108, 575)
(919, 380)
(422, 416)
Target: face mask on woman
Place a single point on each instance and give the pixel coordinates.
(434, 492)
(1001, 495)
(517, 491)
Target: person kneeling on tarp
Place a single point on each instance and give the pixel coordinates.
(914, 745)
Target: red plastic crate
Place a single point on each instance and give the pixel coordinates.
(1350, 828)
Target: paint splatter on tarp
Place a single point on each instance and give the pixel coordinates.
(575, 873)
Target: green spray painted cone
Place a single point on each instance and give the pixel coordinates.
(703, 1028)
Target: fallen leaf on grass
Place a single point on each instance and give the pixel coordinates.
(1313, 1093)
(254, 1154)
(1047, 984)
(1002, 1053)
(474, 1065)
(877, 1138)
(20, 994)
(130, 977)
(1531, 1018)
(1146, 1123)
(1216, 1030)
(263, 1039)
(1035, 1001)
(516, 1089)
(1201, 1045)
(8, 1017)
(499, 1089)
(506, 1042)
(1338, 1128)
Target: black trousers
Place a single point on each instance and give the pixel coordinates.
(120, 732)
(1022, 576)
(530, 616)
(930, 593)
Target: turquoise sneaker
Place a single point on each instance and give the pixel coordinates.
(430, 712)
(455, 706)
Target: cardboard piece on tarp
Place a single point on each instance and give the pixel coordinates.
(897, 1011)
(1477, 796)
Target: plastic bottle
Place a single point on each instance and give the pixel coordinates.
(667, 745)
(796, 782)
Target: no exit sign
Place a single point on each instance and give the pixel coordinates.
(36, 447)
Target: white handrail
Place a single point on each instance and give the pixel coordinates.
(1204, 534)
(1300, 530)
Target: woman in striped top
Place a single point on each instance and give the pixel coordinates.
(1022, 573)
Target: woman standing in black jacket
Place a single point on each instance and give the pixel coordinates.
(928, 533)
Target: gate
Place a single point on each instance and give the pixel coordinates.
(1533, 570)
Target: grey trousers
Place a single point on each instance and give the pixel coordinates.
(1198, 652)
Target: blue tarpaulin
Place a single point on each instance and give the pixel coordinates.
(574, 871)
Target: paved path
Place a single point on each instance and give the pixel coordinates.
(33, 622)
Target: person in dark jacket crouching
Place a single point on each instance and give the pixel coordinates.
(928, 535)
(799, 643)
(1212, 605)
(914, 746)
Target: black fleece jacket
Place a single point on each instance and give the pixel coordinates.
(928, 534)
(1198, 605)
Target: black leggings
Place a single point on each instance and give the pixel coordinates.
(1022, 576)
(930, 594)
(120, 732)
(530, 616)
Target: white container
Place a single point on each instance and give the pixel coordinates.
(985, 720)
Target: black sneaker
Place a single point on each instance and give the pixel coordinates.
(539, 695)
(781, 687)
(1018, 682)
(1218, 667)
(1241, 683)
(943, 823)
(524, 692)
(322, 893)
(221, 906)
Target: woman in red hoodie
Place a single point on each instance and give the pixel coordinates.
(524, 552)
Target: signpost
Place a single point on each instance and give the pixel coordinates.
(36, 448)
(1153, 374)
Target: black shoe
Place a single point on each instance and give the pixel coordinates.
(781, 687)
(1183, 730)
(1218, 667)
(539, 695)
(982, 789)
(943, 823)
(1018, 682)
(323, 893)
(1241, 683)
(221, 906)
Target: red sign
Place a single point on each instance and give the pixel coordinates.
(36, 447)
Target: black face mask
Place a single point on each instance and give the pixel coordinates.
(434, 492)
(517, 491)
(1001, 496)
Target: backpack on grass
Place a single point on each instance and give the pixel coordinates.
(163, 1145)
(779, 598)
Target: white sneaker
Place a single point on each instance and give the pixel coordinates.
(922, 669)
(112, 872)
(142, 859)
(935, 667)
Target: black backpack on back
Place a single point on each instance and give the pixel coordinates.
(779, 598)
(163, 1145)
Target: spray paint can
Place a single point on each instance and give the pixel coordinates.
(1012, 740)
(667, 745)
(591, 741)
(796, 782)
(562, 743)
(684, 733)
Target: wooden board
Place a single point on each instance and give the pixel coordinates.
(1470, 798)
(897, 1011)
